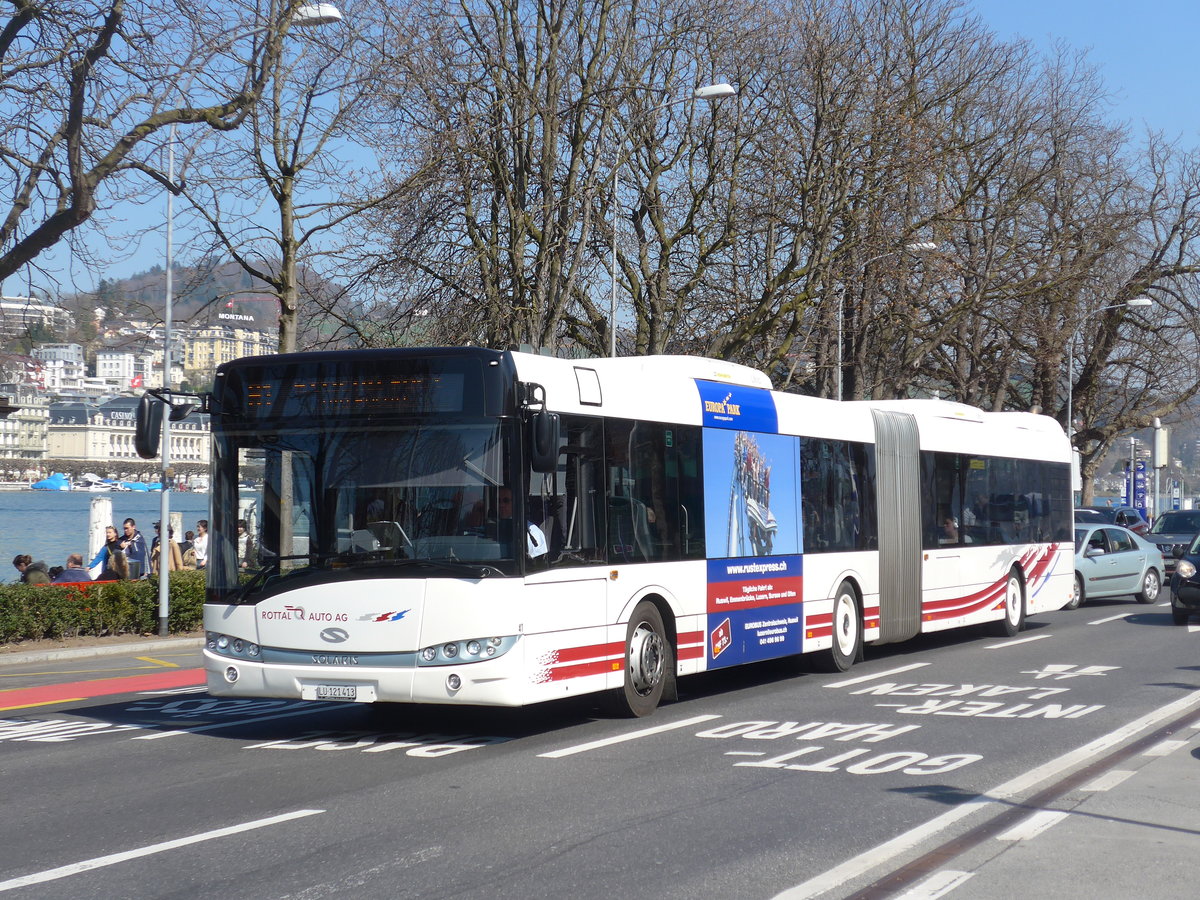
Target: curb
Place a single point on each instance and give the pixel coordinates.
(34, 656)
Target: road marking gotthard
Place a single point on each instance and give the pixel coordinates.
(23, 698)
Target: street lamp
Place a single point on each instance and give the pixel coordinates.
(709, 92)
(916, 248)
(309, 15)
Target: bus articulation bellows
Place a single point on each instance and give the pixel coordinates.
(469, 526)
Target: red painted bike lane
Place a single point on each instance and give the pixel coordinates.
(22, 698)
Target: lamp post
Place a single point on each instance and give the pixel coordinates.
(308, 15)
(1135, 303)
(709, 92)
(916, 248)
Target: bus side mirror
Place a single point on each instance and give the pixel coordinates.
(148, 426)
(543, 441)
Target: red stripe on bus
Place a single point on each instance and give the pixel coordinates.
(573, 654)
(695, 651)
(596, 667)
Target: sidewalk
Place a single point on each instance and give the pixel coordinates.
(1131, 832)
(81, 648)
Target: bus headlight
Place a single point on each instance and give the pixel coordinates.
(228, 645)
(465, 651)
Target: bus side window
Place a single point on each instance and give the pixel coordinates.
(570, 500)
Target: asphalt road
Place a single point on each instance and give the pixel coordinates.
(123, 779)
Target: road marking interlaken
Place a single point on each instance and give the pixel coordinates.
(48, 695)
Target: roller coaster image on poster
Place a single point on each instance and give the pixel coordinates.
(751, 497)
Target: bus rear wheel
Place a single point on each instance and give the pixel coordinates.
(1014, 607)
(847, 632)
(649, 662)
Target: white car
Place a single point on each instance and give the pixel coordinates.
(1111, 561)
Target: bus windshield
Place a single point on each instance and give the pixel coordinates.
(402, 498)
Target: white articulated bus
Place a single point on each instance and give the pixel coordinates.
(469, 526)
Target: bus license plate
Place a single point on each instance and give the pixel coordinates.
(337, 692)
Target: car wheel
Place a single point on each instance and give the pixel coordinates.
(1151, 585)
(1077, 596)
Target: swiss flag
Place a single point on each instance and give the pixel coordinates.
(135, 381)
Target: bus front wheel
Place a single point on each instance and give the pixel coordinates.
(649, 662)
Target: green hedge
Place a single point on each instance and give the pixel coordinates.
(56, 611)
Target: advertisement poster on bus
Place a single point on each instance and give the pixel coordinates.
(752, 504)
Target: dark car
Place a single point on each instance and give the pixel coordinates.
(1128, 516)
(1173, 530)
(1185, 583)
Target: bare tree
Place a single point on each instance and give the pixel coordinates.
(88, 88)
(287, 188)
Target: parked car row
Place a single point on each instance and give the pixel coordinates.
(1118, 553)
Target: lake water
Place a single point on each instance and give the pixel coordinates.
(50, 524)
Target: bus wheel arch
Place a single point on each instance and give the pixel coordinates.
(847, 646)
(649, 671)
(1013, 619)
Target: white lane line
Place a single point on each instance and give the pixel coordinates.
(1108, 780)
(939, 884)
(1193, 628)
(621, 738)
(1111, 619)
(1164, 748)
(860, 679)
(1036, 637)
(100, 861)
(858, 866)
(216, 726)
(1032, 826)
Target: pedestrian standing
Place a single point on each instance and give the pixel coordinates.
(200, 544)
(116, 566)
(136, 552)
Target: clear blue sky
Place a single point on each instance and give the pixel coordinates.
(1147, 52)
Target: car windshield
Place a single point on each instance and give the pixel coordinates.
(1080, 536)
(1187, 522)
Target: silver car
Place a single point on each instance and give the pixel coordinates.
(1173, 531)
(1111, 561)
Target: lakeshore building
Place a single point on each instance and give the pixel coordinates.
(72, 406)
